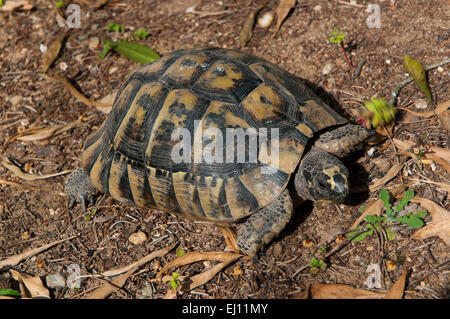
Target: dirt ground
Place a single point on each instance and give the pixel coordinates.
(33, 217)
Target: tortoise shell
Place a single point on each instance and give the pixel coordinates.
(130, 156)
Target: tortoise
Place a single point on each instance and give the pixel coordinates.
(131, 156)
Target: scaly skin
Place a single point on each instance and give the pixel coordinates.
(79, 189)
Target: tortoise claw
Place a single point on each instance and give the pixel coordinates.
(79, 189)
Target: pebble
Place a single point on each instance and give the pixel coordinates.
(93, 43)
(63, 66)
(265, 20)
(317, 8)
(327, 68)
(55, 280)
(138, 237)
(440, 69)
(421, 104)
(113, 70)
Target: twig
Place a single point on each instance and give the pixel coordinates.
(429, 273)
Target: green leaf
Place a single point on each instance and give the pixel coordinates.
(313, 270)
(373, 219)
(404, 201)
(114, 27)
(421, 214)
(336, 37)
(384, 196)
(415, 222)
(314, 262)
(141, 34)
(418, 73)
(362, 236)
(390, 234)
(180, 252)
(134, 51)
(59, 4)
(8, 291)
(378, 113)
(108, 45)
(174, 282)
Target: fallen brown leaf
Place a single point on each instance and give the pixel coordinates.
(12, 5)
(397, 290)
(247, 29)
(207, 275)
(194, 256)
(52, 52)
(110, 287)
(66, 83)
(230, 238)
(30, 287)
(47, 132)
(107, 100)
(393, 171)
(440, 225)
(283, 9)
(16, 170)
(6, 182)
(12, 261)
(337, 291)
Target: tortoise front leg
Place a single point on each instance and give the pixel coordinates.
(261, 227)
(79, 189)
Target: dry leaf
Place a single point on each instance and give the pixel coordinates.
(338, 291)
(397, 290)
(434, 153)
(283, 10)
(230, 238)
(12, 5)
(140, 262)
(247, 29)
(53, 51)
(440, 225)
(16, 170)
(66, 83)
(204, 277)
(194, 256)
(31, 287)
(393, 171)
(47, 132)
(107, 100)
(12, 261)
(108, 288)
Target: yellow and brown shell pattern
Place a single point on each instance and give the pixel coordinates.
(129, 157)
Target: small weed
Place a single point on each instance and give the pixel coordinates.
(90, 215)
(338, 38)
(115, 27)
(316, 265)
(8, 291)
(180, 252)
(174, 282)
(59, 4)
(141, 34)
(375, 223)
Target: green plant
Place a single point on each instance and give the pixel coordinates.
(316, 265)
(8, 291)
(134, 51)
(180, 252)
(378, 112)
(115, 27)
(90, 215)
(59, 3)
(174, 282)
(375, 222)
(338, 38)
(141, 34)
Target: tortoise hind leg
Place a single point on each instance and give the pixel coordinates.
(261, 227)
(79, 189)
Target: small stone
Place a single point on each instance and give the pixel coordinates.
(381, 163)
(55, 280)
(138, 237)
(265, 20)
(93, 43)
(43, 48)
(63, 66)
(440, 69)
(327, 68)
(317, 8)
(421, 104)
(113, 70)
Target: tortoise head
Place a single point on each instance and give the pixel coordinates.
(321, 177)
